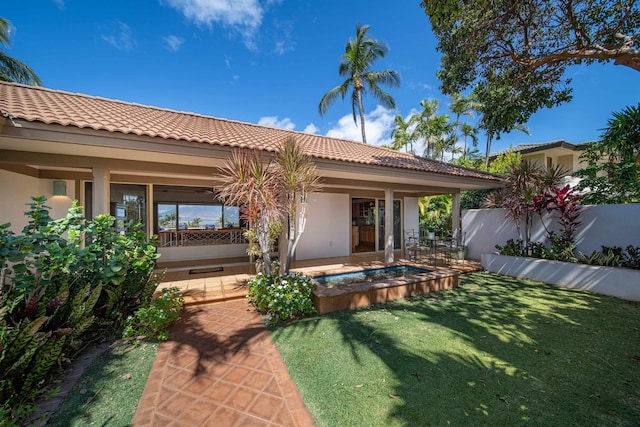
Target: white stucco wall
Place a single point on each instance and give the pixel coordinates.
(411, 214)
(16, 191)
(328, 229)
(608, 225)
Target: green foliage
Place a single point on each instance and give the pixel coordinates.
(614, 257)
(504, 163)
(612, 174)
(514, 53)
(473, 199)
(283, 297)
(59, 279)
(435, 212)
(512, 248)
(153, 318)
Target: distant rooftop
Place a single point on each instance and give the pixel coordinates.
(540, 146)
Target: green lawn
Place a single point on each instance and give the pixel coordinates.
(496, 351)
(108, 391)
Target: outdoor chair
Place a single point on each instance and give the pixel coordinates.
(411, 245)
(453, 247)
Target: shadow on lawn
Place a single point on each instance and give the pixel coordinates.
(517, 353)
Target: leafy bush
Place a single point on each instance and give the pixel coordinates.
(154, 318)
(614, 257)
(283, 297)
(59, 279)
(632, 257)
(512, 248)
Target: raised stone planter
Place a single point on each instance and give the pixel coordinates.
(622, 283)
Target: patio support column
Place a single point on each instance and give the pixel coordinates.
(388, 225)
(101, 196)
(455, 212)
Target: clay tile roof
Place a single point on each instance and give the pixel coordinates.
(38, 104)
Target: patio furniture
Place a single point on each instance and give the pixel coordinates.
(411, 244)
(453, 247)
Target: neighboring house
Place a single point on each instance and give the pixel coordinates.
(549, 154)
(158, 166)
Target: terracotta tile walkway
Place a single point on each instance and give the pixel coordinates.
(220, 368)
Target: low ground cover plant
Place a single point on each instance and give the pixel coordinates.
(63, 283)
(152, 319)
(282, 297)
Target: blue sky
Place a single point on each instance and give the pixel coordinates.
(268, 61)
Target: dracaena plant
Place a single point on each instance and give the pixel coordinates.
(566, 204)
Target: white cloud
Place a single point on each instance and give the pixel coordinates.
(173, 43)
(283, 42)
(241, 16)
(119, 36)
(311, 128)
(378, 126)
(60, 4)
(273, 121)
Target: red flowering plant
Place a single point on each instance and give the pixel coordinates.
(566, 204)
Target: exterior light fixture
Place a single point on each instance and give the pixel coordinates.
(59, 188)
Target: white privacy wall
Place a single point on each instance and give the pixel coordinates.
(328, 230)
(16, 191)
(608, 225)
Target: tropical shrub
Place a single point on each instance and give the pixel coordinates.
(612, 174)
(614, 257)
(59, 280)
(283, 297)
(566, 204)
(154, 317)
(512, 248)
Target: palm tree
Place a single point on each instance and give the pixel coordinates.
(11, 69)
(402, 136)
(355, 65)
(469, 131)
(432, 128)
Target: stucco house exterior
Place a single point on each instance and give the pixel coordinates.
(159, 166)
(554, 153)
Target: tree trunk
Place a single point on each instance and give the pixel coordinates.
(486, 156)
(262, 234)
(361, 110)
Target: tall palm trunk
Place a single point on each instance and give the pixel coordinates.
(361, 111)
(486, 155)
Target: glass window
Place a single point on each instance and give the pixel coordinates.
(231, 217)
(129, 203)
(167, 216)
(199, 216)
